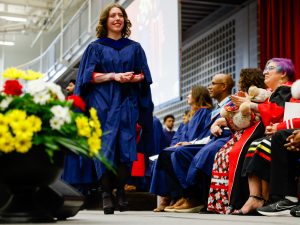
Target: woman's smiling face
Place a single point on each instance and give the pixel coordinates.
(115, 21)
(273, 76)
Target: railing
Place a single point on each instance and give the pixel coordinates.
(69, 44)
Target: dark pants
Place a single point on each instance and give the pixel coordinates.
(284, 168)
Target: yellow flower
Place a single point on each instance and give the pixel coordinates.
(3, 120)
(85, 132)
(6, 142)
(98, 132)
(93, 114)
(94, 123)
(36, 123)
(3, 129)
(32, 75)
(94, 143)
(13, 73)
(15, 116)
(83, 128)
(22, 144)
(81, 122)
(23, 128)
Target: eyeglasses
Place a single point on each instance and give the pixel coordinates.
(215, 83)
(269, 68)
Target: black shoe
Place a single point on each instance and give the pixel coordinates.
(281, 207)
(122, 201)
(108, 203)
(295, 211)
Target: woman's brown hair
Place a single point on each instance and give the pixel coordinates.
(101, 29)
(201, 97)
(249, 77)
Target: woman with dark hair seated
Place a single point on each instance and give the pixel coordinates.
(200, 114)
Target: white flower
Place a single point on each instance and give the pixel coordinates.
(61, 112)
(56, 123)
(41, 98)
(5, 102)
(56, 90)
(36, 86)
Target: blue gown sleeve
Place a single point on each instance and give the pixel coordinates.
(145, 102)
(198, 126)
(178, 134)
(142, 64)
(88, 62)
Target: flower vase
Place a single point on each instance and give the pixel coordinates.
(23, 175)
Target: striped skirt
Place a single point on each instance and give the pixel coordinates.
(258, 159)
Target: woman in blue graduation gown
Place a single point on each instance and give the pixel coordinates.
(114, 78)
(197, 128)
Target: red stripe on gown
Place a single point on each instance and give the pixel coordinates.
(235, 152)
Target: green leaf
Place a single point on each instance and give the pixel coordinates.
(72, 145)
(106, 162)
(76, 148)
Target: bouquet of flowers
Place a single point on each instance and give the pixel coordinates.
(35, 112)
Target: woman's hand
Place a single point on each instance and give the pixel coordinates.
(182, 143)
(293, 141)
(271, 129)
(215, 129)
(137, 78)
(237, 100)
(124, 77)
(241, 94)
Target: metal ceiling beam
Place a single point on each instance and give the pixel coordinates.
(196, 16)
(195, 11)
(198, 7)
(213, 2)
(45, 4)
(23, 15)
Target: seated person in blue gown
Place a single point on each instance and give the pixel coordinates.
(180, 133)
(169, 176)
(159, 138)
(168, 128)
(198, 126)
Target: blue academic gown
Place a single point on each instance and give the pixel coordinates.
(168, 136)
(180, 134)
(198, 127)
(159, 140)
(181, 157)
(119, 106)
(188, 160)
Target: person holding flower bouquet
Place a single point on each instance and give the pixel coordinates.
(114, 78)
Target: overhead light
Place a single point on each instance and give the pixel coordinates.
(8, 43)
(13, 18)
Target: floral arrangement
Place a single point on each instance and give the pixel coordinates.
(35, 112)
